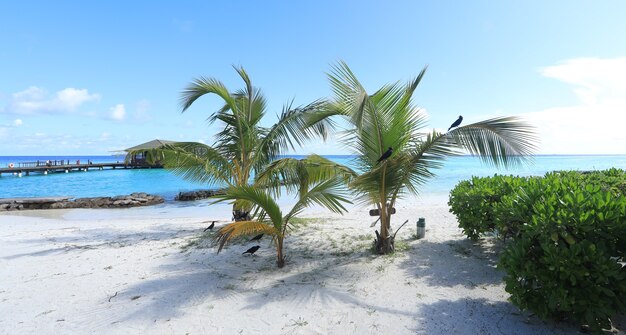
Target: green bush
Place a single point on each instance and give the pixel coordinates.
(500, 203)
(567, 255)
(612, 180)
(567, 260)
(474, 203)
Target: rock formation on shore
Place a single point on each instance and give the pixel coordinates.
(196, 195)
(121, 201)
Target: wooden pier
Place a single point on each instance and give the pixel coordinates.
(45, 167)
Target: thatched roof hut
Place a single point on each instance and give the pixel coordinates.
(140, 155)
(154, 144)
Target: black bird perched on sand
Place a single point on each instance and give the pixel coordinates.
(210, 227)
(252, 250)
(256, 238)
(456, 123)
(386, 155)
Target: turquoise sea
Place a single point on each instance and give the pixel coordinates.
(162, 182)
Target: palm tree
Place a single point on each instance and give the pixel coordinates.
(389, 119)
(243, 147)
(315, 179)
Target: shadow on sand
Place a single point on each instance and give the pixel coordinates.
(86, 239)
(476, 316)
(195, 279)
(454, 262)
(200, 276)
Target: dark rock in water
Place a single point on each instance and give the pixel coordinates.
(121, 201)
(197, 195)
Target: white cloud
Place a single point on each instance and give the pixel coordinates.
(18, 122)
(596, 80)
(35, 100)
(70, 98)
(593, 126)
(118, 112)
(31, 93)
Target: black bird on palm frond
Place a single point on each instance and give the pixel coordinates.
(252, 250)
(456, 123)
(210, 227)
(256, 238)
(386, 155)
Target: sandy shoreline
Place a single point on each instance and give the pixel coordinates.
(147, 270)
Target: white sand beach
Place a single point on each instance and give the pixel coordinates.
(153, 271)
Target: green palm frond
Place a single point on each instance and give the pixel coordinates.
(503, 141)
(324, 115)
(262, 202)
(424, 155)
(381, 120)
(285, 172)
(242, 147)
(412, 85)
(251, 100)
(296, 174)
(391, 124)
(388, 118)
(380, 179)
(239, 229)
(197, 162)
(252, 106)
(351, 99)
(329, 194)
(201, 86)
(293, 126)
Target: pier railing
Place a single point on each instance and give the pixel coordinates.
(50, 166)
(48, 163)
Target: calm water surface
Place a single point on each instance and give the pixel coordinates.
(162, 182)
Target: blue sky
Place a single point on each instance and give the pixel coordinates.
(79, 77)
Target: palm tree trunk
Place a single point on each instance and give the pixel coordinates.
(240, 213)
(280, 258)
(384, 241)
